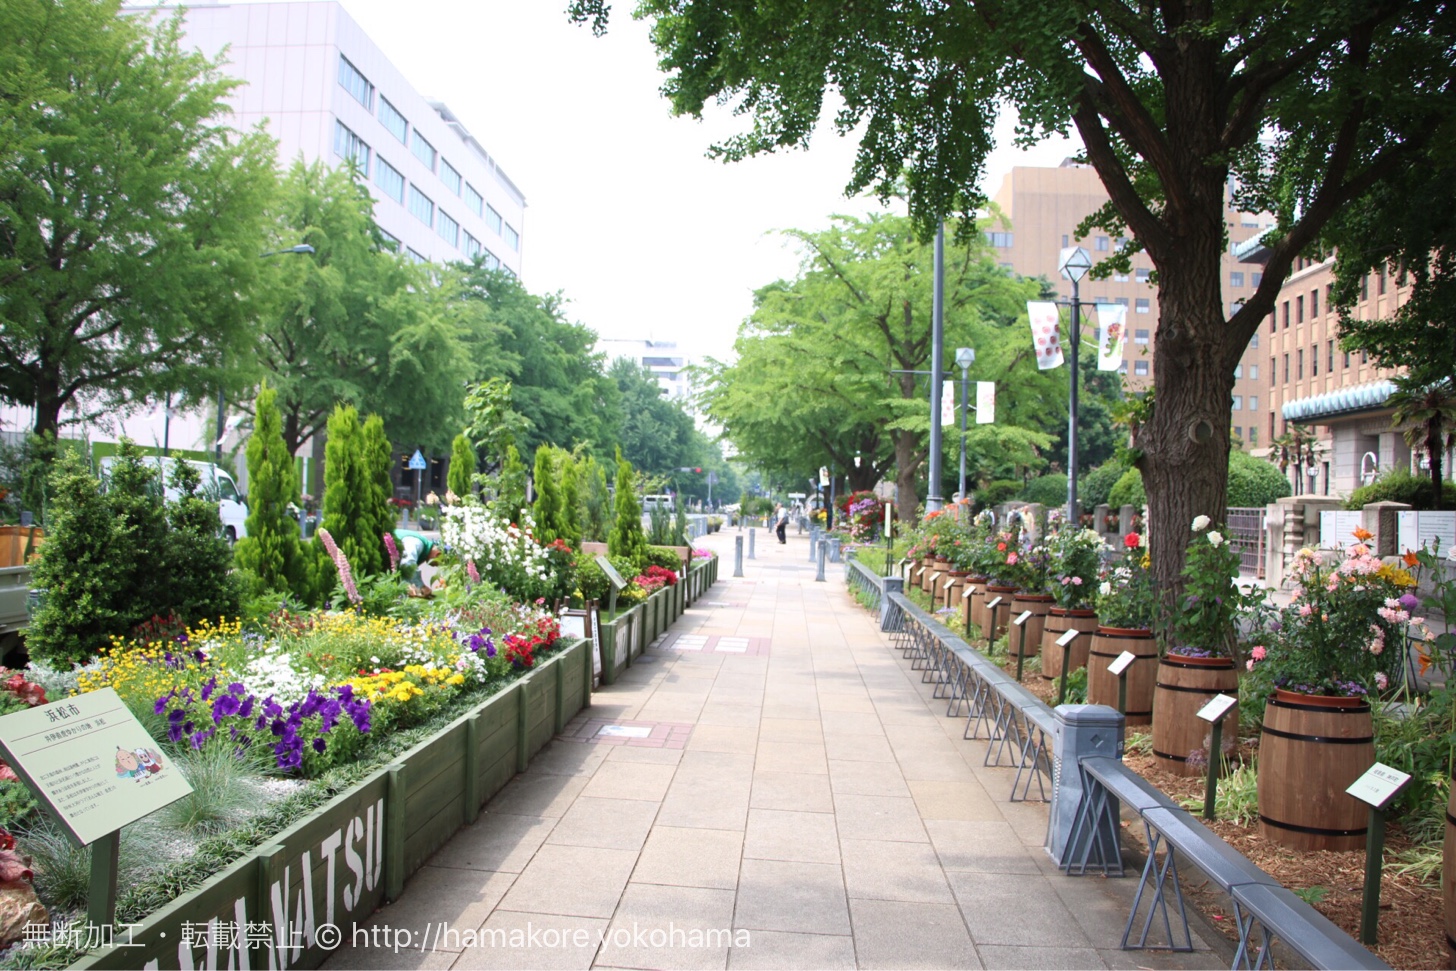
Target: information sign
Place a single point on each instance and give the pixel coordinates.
(935, 576)
(994, 604)
(91, 762)
(417, 461)
(611, 572)
(1120, 663)
(1025, 616)
(1217, 707)
(1068, 638)
(1378, 785)
(967, 595)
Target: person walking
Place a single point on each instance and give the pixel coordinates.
(781, 523)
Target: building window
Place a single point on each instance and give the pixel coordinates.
(1314, 361)
(389, 180)
(1143, 274)
(449, 176)
(999, 240)
(1329, 294)
(1256, 278)
(1314, 303)
(354, 82)
(1299, 310)
(350, 146)
(1119, 277)
(1253, 435)
(1271, 426)
(1120, 301)
(420, 206)
(415, 257)
(1066, 241)
(1253, 404)
(1236, 278)
(1254, 341)
(1238, 371)
(1286, 315)
(423, 150)
(491, 262)
(1143, 305)
(512, 238)
(1286, 367)
(391, 241)
(1347, 359)
(1103, 244)
(1299, 364)
(493, 220)
(1235, 307)
(472, 246)
(473, 202)
(448, 229)
(1122, 368)
(1253, 372)
(1365, 287)
(1380, 282)
(1331, 367)
(1140, 367)
(1364, 356)
(1238, 402)
(1140, 336)
(393, 121)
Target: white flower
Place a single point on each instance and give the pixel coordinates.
(1216, 538)
(1104, 588)
(1201, 523)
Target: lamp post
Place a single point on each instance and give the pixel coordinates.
(965, 357)
(301, 249)
(933, 499)
(1074, 262)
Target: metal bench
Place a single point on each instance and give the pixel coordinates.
(1276, 911)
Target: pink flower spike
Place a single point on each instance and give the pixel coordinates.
(392, 550)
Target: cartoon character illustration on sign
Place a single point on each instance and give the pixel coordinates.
(127, 764)
(150, 760)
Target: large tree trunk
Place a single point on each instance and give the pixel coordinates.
(906, 466)
(48, 403)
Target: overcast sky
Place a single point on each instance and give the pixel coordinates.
(645, 236)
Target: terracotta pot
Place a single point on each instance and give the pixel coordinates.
(1184, 685)
(1107, 644)
(1058, 621)
(1312, 748)
(1039, 604)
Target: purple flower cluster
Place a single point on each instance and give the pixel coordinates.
(481, 641)
(290, 727)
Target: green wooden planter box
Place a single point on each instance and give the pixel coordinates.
(341, 862)
(618, 637)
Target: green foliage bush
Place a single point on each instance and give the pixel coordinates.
(1399, 485)
(270, 550)
(196, 560)
(350, 494)
(996, 492)
(460, 479)
(1253, 481)
(1050, 490)
(1096, 486)
(665, 558)
(626, 539)
(1128, 490)
(547, 510)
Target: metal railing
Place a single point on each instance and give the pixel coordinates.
(1246, 534)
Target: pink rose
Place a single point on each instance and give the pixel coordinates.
(1076, 581)
(1259, 653)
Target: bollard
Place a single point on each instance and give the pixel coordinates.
(738, 556)
(813, 542)
(834, 554)
(1083, 731)
(750, 544)
(819, 573)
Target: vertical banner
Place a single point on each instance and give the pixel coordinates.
(1111, 335)
(947, 404)
(985, 402)
(1045, 333)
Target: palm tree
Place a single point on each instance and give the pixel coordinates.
(1426, 411)
(1295, 447)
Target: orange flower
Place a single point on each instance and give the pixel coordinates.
(1411, 559)
(1424, 658)
(1363, 534)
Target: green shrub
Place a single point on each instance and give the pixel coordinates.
(1399, 485)
(196, 560)
(1128, 491)
(996, 492)
(351, 495)
(626, 539)
(1253, 481)
(270, 550)
(665, 558)
(461, 477)
(547, 510)
(1050, 490)
(1094, 488)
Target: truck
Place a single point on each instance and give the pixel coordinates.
(217, 483)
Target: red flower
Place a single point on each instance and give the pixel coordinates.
(1001, 547)
(1131, 541)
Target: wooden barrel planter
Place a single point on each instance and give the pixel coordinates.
(1184, 685)
(937, 593)
(954, 587)
(1107, 644)
(994, 622)
(971, 607)
(1448, 875)
(1058, 621)
(1040, 604)
(1312, 748)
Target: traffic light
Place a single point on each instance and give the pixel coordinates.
(698, 469)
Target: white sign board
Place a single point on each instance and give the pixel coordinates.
(1378, 785)
(1025, 616)
(1337, 527)
(1067, 638)
(967, 595)
(1217, 707)
(1121, 663)
(985, 402)
(994, 603)
(1417, 530)
(935, 576)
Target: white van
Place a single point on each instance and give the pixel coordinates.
(216, 483)
(650, 503)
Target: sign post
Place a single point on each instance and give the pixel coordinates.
(609, 650)
(967, 596)
(1020, 623)
(418, 464)
(1119, 667)
(1065, 643)
(1376, 788)
(95, 768)
(991, 621)
(1213, 713)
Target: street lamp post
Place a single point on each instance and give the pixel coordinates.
(965, 357)
(1074, 263)
(301, 249)
(933, 499)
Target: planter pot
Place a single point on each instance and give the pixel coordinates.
(1040, 604)
(951, 595)
(1059, 620)
(1312, 748)
(934, 568)
(1184, 685)
(1142, 674)
(973, 607)
(996, 621)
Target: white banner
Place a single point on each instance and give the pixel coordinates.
(947, 404)
(1111, 335)
(985, 402)
(1045, 333)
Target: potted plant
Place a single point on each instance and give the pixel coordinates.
(1033, 578)
(1076, 559)
(1340, 640)
(1199, 656)
(1127, 609)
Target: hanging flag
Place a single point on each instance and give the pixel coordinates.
(985, 402)
(1045, 333)
(947, 404)
(1111, 335)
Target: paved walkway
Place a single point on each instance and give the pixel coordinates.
(775, 789)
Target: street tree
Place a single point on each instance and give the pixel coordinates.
(130, 216)
(1304, 109)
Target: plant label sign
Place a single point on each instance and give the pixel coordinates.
(1025, 616)
(91, 762)
(1068, 638)
(1378, 785)
(1217, 707)
(934, 576)
(1120, 663)
(994, 604)
(967, 594)
(611, 572)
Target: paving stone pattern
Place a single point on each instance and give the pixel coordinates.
(798, 803)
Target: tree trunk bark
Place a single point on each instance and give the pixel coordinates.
(905, 469)
(48, 403)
